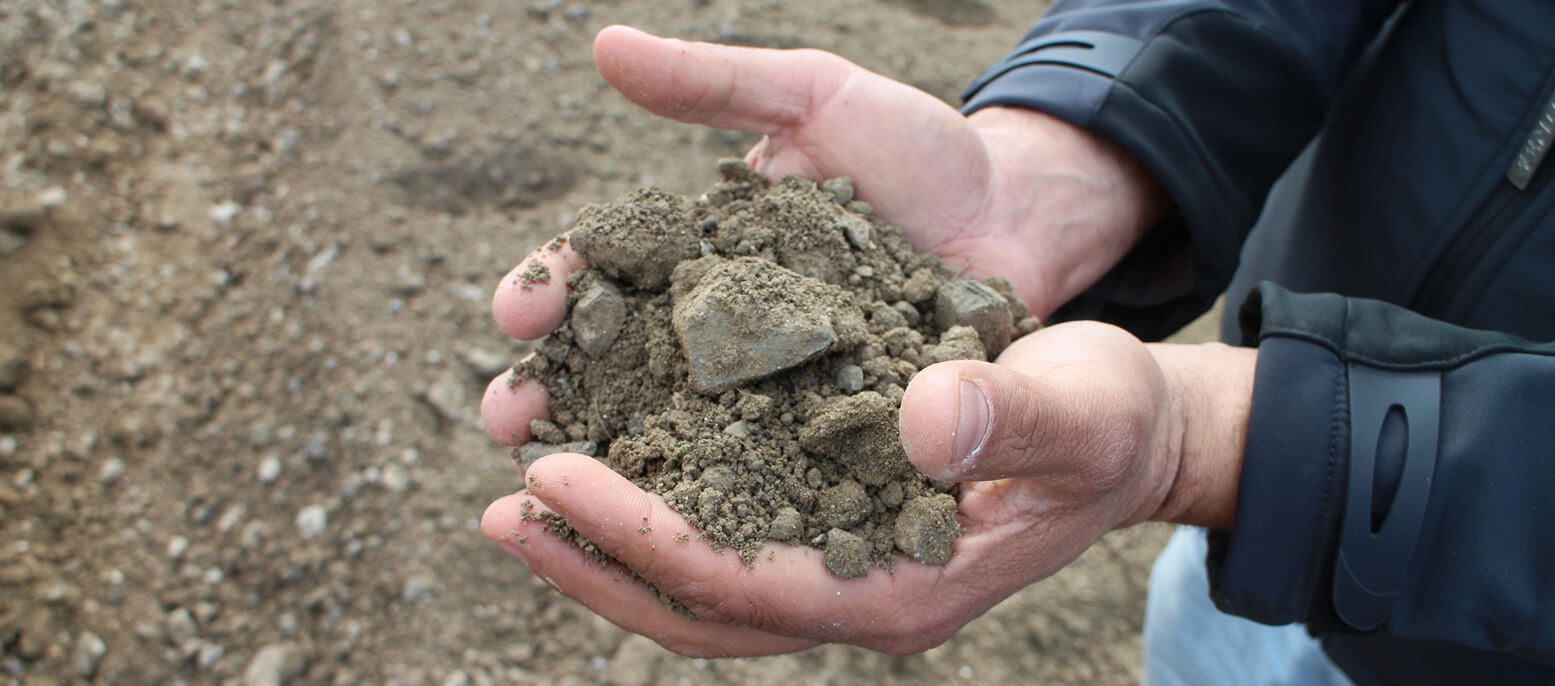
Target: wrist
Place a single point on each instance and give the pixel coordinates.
(1212, 390)
(1079, 201)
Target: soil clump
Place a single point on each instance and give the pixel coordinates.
(745, 354)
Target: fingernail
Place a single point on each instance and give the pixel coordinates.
(972, 426)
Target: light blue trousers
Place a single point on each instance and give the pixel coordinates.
(1190, 643)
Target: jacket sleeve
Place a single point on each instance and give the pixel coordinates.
(1399, 478)
(1215, 97)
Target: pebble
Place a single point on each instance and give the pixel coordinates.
(181, 627)
(88, 94)
(927, 528)
(312, 520)
(850, 378)
(409, 281)
(529, 452)
(739, 428)
(113, 468)
(419, 586)
(841, 189)
(275, 664)
(176, 547)
(597, 318)
(269, 470)
(486, 363)
(89, 649)
(858, 231)
(210, 653)
(447, 396)
(11, 241)
(787, 525)
(842, 505)
(847, 555)
(15, 414)
(52, 198)
(964, 302)
(316, 450)
(395, 478)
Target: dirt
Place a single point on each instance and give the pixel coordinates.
(246, 257)
(745, 356)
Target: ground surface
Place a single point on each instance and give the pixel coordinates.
(245, 253)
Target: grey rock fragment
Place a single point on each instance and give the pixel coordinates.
(850, 378)
(447, 396)
(89, 649)
(786, 525)
(274, 665)
(181, 627)
(486, 363)
(312, 521)
(729, 339)
(957, 343)
(927, 527)
(113, 469)
(847, 555)
(419, 586)
(529, 452)
(964, 302)
(597, 318)
(841, 189)
(639, 238)
(858, 230)
(860, 432)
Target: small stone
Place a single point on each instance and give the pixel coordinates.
(419, 586)
(447, 396)
(52, 198)
(885, 318)
(787, 525)
(1027, 326)
(209, 655)
(176, 547)
(486, 363)
(181, 627)
(88, 94)
(841, 189)
(858, 231)
(395, 479)
(842, 505)
(312, 520)
(409, 281)
(113, 468)
(275, 664)
(920, 286)
(739, 428)
(11, 242)
(597, 318)
(964, 302)
(718, 478)
(891, 495)
(957, 343)
(269, 470)
(850, 378)
(847, 555)
(316, 450)
(15, 413)
(908, 312)
(861, 208)
(927, 528)
(89, 649)
(534, 450)
(225, 212)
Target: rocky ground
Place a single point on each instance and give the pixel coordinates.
(245, 256)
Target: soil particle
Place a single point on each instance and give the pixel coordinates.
(535, 273)
(965, 302)
(728, 354)
(847, 555)
(927, 527)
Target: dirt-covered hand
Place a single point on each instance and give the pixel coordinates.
(1006, 192)
(1079, 430)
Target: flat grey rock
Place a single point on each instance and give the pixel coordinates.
(964, 302)
(597, 318)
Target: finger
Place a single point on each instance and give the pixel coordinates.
(787, 591)
(508, 407)
(610, 591)
(1069, 403)
(749, 89)
(531, 301)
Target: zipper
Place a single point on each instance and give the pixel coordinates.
(1525, 180)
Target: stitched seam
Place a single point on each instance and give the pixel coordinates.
(1449, 361)
(1339, 414)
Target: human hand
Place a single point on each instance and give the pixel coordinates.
(1078, 430)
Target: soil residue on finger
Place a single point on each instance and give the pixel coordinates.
(745, 355)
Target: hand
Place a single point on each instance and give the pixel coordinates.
(1079, 429)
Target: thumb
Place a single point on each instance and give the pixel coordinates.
(748, 89)
(1075, 427)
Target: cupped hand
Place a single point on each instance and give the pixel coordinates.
(1078, 430)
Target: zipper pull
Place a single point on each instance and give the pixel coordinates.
(1534, 149)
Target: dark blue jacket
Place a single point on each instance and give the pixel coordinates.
(1398, 489)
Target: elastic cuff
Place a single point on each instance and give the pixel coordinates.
(1279, 552)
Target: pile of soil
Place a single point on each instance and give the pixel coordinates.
(745, 355)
